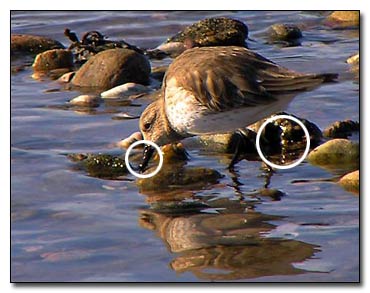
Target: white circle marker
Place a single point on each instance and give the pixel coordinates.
(272, 119)
(127, 155)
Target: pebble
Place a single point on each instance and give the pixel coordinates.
(124, 90)
(85, 100)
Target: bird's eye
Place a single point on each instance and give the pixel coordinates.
(147, 126)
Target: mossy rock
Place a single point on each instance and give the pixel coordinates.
(101, 165)
(336, 152)
(179, 177)
(351, 181)
(53, 59)
(30, 44)
(111, 68)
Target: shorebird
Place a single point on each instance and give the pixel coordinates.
(217, 90)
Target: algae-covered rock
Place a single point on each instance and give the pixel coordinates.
(31, 44)
(341, 129)
(220, 31)
(351, 181)
(284, 32)
(53, 59)
(101, 165)
(178, 177)
(335, 152)
(111, 68)
(344, 18)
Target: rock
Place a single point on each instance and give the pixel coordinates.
(124, 90)
(284, 32)
(175, 177)
(53, 59)
(335, 152)
(51, 74)
(100, 165)
(220, 31)
(172, 153)
(85, 100)
(344, 18)
(341, 129)
(351, 181)
(354, 60)
(66, 77)
(30, 44)
(111, 68)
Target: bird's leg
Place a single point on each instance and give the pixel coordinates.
(239, 145)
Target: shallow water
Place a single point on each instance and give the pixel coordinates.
(68, 226)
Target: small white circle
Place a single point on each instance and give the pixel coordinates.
(296, 163)
(127, 155)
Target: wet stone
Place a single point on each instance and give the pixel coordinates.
(85, 100)
(112, 68)
(101, 165)
(341, 129)
(178, 177)
(208, 32)
(284, 33)
(344, 18)
(53, 59)
(351, 181)
(335, 152)
(30, 44)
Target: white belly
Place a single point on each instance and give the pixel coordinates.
(188, 117)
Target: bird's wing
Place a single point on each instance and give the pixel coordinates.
(223, 78)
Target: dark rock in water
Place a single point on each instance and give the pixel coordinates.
(209, 32)
(351, 181)
(344, 19)
(285, 33)
(289, 131)
(30, 44)
(341, 129)
(111, 68)
(93, 42)
(101, 165)
(53, 59)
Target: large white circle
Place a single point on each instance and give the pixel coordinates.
(296, 163)
(128, 155)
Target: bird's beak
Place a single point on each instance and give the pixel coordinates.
(147, 155)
